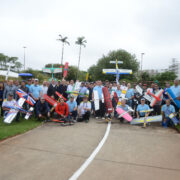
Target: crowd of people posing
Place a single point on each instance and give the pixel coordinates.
(72, 108)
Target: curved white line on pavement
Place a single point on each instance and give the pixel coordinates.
(92, 156)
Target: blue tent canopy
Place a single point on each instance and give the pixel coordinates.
(25, 74)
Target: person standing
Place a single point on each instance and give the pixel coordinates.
(62, 88)
(70, 86)
(10, 88)
(35, 90)
(102, 110)
(129, 95)
(82, 93)
(52, 88)
(44, 88)
(1, 96)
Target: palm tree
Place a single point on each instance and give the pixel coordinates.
(81, 42)
(64, 41)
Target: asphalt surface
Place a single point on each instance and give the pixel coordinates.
(53, 152)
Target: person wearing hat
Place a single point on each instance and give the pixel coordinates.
(9, 102)
(42, 109)
(142, 107)
(84, 110)
(35, 90)
(72, 104)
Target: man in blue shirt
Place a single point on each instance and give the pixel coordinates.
(35, 90)
(176, 90)
(82, 92)
(167, 109)
(129, 95)
(142, 107)
(72, 108)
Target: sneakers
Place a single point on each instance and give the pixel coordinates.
(97, 117)
(71, 123)
(103, 118)
(74, 121)
(63, 124)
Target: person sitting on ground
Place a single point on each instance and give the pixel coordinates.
(84, 110)
(142, 107)
(42, 109)
(9, 102)
(62, 110)
(166, 110)
(72, 104)
(123, 106)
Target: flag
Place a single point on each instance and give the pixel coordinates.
(87, 76)
(117, 72)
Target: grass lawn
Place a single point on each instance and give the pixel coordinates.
(178, 127)
(8, 130)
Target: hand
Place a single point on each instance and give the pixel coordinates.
(178, 98)
(40, 115)
(48, 114)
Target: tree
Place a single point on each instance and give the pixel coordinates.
(64, 41)
(129, 62)
(81, 42)
(165, 76)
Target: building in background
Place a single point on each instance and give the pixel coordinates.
(175, 67)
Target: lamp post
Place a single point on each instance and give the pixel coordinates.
(24, 57)
(142, 54)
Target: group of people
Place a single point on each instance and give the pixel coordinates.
(80, 107)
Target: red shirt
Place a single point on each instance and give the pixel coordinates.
(62, 109)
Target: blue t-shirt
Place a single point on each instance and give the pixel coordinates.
(124, 108)
(35, 90)
(165, 108)
(129, 93)
(99, 90)
(118, 92)
(141, 107)
(71, 105)
(176, 90)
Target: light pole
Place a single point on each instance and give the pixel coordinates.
(24, 56)
(142, 54)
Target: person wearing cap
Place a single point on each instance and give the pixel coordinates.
(35, 90)
(42, 109)
(9, 101)
(142, 107)
(29, 83)
(84, 110)
(62, 110)
(166, 110)
(72, 108)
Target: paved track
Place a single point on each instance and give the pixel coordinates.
(53, 152)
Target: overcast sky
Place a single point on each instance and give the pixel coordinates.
(151, 27)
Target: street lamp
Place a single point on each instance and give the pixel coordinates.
(142, 54)
(24, 56)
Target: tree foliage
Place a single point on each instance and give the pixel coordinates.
(5, 60)
(129, 62)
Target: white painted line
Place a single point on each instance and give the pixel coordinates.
(92, 156)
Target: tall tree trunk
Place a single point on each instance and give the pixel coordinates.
(62, 53)
(78, 62)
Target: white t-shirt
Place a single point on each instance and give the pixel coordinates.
(44, 89)
(70, 87)
(84, 105)
(8, 103)
(123, 88)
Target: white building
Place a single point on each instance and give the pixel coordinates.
(175, 67)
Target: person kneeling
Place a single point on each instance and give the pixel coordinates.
(42, 109)
(72, 109)
(62, 110)
(84, 110)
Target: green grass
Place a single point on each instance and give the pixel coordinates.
(9, 130)
(178, 127)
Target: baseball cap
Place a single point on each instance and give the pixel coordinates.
(142, 99)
